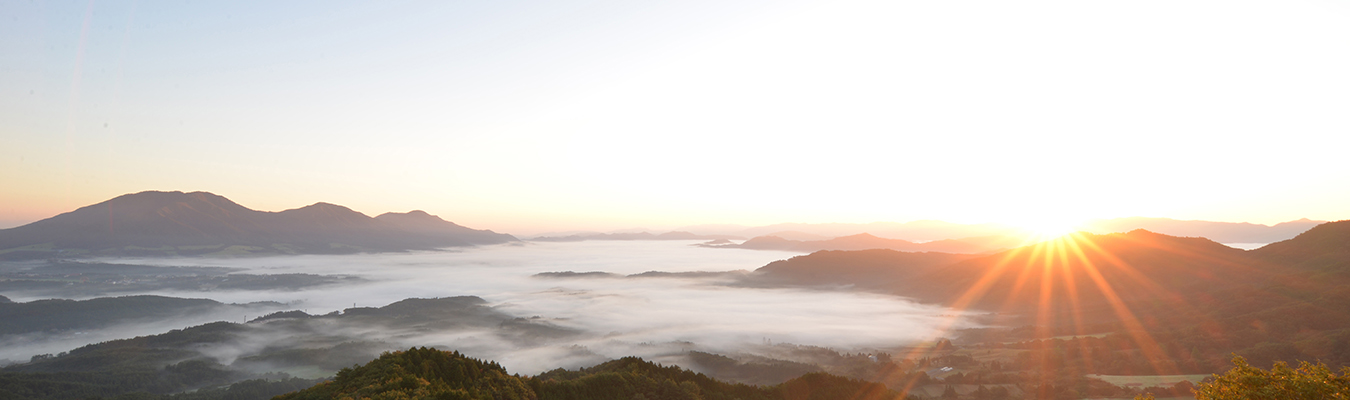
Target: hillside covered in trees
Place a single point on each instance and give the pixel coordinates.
(422, 373)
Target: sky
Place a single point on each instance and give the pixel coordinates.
(535, 116)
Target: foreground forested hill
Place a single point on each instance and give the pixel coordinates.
(422, 373)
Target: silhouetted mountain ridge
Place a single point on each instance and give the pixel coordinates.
(1137, 264)
(1326, 246)
(1207, 301)
(864, 269)
(166, 223)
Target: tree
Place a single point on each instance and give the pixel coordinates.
(1308, 381)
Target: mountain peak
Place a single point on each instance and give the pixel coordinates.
(322, 205)
(154, 198)
(324, 210)
(412, 217)
(202, 222)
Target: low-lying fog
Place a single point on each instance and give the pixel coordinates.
(649, 317)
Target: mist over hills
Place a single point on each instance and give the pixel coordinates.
(1285, 301)
(864, 241)
(55, 315)
(1136, 302)
(927, 230)
(1125, 303)
(1222, 232)
(1082, 268)
(177, 223)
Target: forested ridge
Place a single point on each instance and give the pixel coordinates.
(422, 373)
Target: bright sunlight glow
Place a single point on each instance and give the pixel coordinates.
(1049, 227)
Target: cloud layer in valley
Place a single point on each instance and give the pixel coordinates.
(585, 319)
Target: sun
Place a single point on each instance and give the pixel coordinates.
(1045, 228)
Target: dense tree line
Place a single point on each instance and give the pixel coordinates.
(1244, 381)
(422, 373)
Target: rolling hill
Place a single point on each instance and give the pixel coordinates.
(1198, 301)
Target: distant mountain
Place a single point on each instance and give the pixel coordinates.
(865, 269)
(795, 235)
(865, 241)
(1089, 268)
(177, 223)
(58, 315)
(1222, 232)
(912, 231)
(673, 235)
(1096, 269)
(1202, 300)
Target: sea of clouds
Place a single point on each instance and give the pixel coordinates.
(617, 316)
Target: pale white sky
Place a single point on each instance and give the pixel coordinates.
(533, 116)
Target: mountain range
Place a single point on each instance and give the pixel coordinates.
(865, 241)
(177, 223)
(1284, 301)
(1083, 268)
(197, 223)
(927, 230)
(1132, 303)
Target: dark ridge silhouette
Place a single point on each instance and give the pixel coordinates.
(177, 223)
(1324, 247)
(1136, 265)
(866, 269)
(866, 241)
(1202, 300)
(1090, 270)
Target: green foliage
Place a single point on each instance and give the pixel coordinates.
(1308, 381)
(422, 373)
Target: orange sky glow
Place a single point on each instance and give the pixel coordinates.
(618, 115)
